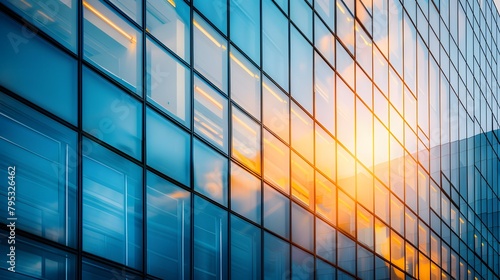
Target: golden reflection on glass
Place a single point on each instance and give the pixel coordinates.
(346, 213)
(276, 162)
(346, 171)
(276, 110)
(423, 238)
(397, 214)
(411, 228)
(397, 250)
(326, 198)
(246, 140)
(411, 260)
(302, 133)
(364, 134)
(245, 83)
(435, 249)
(424, 265)
(325, 152)
(365, 227)
(382, 243)
(382, 199)
(364, 187)
(435, 272)
(302, 181)
(245, 193)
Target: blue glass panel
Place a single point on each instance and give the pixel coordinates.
(215, 11)
(276, 211)
(302, 264)
(168, 83)
(301, 15)
(58, 18)
(112, 206)
(365, 263)
(92, 270)
(245, 250)
(133, 8)
(43, 154)
(168, 147)
(347, 253)
(34, 260)
(111, 115)
(301, 70)
(276, 258)
(275, 43)
(210, 241)
(324, 271)
(245, 193)
(245, 27)
(210, 172)
(168, 229)
(26, 61)
(302, 227)
(112, 44)
(325, 241)
(169, 22)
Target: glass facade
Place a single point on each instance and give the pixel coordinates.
(259, 139)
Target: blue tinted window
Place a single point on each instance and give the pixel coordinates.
(347, 253)
(132, 8)
(275, 43)
(112, 44)
(210, 173)
(168, 229)
(325, 241)
(43, 153)
(245, 27)
(92, 270)
(276, 258)
(168, 147)
(35, 260)
(168, 83)
(111, 115)
(169, 22)
(245, 83)
(245, 193)
(302, 264)
(215, 11)
(324, 271)
(210, 241)
(276, 211)
(112, 206)
(302, 227)
(25, 70)
(301, 70)
(365, 263)
(58, 18)
(301, 15)
(245, 250)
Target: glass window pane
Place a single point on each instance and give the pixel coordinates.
(397, 250)
(363, 47)
(276, 211)
(245, 250)
(302, 227)
(276, 257)
(112, 44)
(365, 263)
(35, 260)
(245, 27)
(324, 89)
(382, 243)
(345, 115)
(325, 152)
(168, 229)
(276, 110)
(210, 172)
(27, 60)
(168, 83)
(168, 147)
(43, 157)
(346, 213)
(246, 140)
(365, 227)
(245, 193)
(324, 40)
(57, 18)
(276, 162)
(397, 214)
(210, 53)
(326, 198)
(301, 70)
(302, 181)
(170, 24)
(325, 241)
(345, 26)
(133, 8)
(326, 10)
(302, 133)
(210, 114)
(347, 249)
(245, 83)
(324, 271)
(364, 134)
(382, 199)
(215, 11)
(275, 43)
(210, 241)
(302, 265)
(301, 15)
(346, 171)
(112, 191)
(111, 115)
(364, 186)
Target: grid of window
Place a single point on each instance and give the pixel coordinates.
(304, 139)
